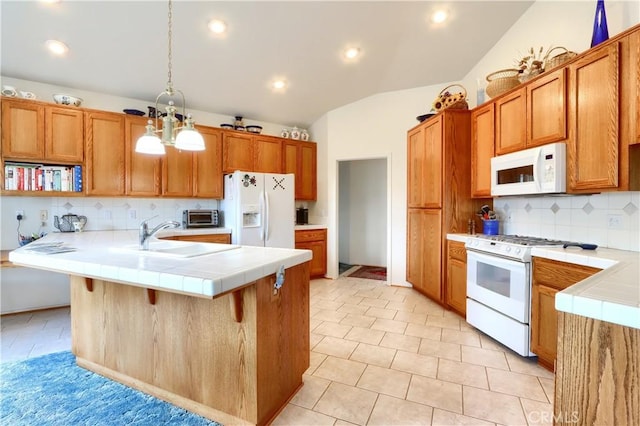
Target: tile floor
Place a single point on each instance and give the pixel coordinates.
(380, 355)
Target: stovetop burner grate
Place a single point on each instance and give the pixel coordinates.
(523, 240)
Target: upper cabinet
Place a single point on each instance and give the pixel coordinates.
(207, 165)
(482, 149)
(105, 153)
(300, 158)
(253, 153)
(424, 169)
(511, 134)
(594, 91)
(36, 131)
(142, 174)
(547, 109)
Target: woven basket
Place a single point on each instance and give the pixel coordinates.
(558, 59)
(448, 100)
(502, 81)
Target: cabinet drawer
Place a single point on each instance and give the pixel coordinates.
(559, 275)
(311, 235)
(457, 251)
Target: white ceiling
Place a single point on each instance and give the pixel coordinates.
(120, 48)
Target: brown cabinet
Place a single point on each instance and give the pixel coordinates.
(439, 196)
(177, 173)
(252, 153)
(142, 171)
(300, 158)
(207, 165)
(104, 153)
(36, 131)
(550, 277)
(547, 109)
(511, 131)
(456, 291)
(482, 149)
(203, 238)
(593, 148)
(316, 241)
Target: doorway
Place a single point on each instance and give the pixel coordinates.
(362, 218)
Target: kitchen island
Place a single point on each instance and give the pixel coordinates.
(211, 333)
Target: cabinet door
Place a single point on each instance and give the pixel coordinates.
(456, 291)
(415, 247)
(318, 265)
(268, 154)
(64, 134)
(177, 173)
(237, 152)
(511, 131)
(547, 109)
(22, 129)
(593, 143)
(105, 153)
(142, 170)
(207, 173)
(635, 58)
(307, 174)
(544, 328)
(415, 168)
(432, 168)
(482, 149)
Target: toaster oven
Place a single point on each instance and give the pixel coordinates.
(200, 218)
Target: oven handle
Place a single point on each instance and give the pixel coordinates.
(493, 260)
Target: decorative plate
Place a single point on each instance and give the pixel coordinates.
(133, 112)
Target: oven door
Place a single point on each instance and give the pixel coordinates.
(500, 284)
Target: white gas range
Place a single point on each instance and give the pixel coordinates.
(499, 286)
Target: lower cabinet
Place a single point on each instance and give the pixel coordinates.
(316, 241)
(456, 287)
(203, 238)
(550, 277)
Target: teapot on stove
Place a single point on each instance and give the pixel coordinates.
(66, 223)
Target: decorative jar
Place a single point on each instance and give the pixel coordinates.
(304, 135)
(295, 133)
(284, 133)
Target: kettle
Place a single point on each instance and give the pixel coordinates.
(65, 224)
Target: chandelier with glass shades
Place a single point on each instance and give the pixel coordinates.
(184, 137)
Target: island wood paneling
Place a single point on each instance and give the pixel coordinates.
(597, 374)
(191, 351)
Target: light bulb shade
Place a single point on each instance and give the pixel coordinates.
(189, 140)
(150, 144)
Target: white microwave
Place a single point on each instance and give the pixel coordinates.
(540, 170)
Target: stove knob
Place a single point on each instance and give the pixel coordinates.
(507, 249)
(518, 251)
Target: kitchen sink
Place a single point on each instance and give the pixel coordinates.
(180, 249)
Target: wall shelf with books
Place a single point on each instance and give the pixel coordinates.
(42, 179)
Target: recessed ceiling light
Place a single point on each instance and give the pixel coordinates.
(217, 26)
(49, 1)
(352, 53)
(57, 47)
(439, 16)
(279, 84)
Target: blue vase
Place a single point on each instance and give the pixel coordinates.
(600, 30)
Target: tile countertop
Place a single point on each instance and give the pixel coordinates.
(611, 295)
(97, 256)
(309, 227)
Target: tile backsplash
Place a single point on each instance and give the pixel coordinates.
(608, 219)
(102, 213)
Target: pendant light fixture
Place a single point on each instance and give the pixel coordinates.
(184, 137)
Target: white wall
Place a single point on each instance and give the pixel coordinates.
(363, 212)
(546, 24)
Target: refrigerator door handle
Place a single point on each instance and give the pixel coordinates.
(262, 217)
(266, 218)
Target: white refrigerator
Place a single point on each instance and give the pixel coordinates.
(260, 209)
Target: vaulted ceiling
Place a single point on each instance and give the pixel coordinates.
(120, 48)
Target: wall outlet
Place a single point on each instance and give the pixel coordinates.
(132, 214)
(20, 213)
(614, 221)
(106, 214)
(44, 215)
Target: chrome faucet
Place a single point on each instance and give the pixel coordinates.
(145, 234)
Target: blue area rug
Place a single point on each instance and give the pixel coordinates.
(53, 390)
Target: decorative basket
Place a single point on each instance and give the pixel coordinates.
(448, 100)
(502, 81)
(558, 59)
